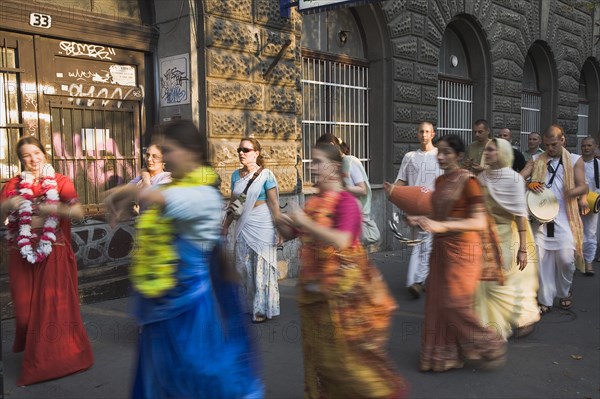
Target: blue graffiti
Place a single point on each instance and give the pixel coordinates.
(172, 86)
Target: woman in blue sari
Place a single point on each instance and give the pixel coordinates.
(194, 341)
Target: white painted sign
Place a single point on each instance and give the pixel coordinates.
(40, 20)
(174, 80)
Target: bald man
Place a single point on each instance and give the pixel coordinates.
(590, 221)
(559, 242)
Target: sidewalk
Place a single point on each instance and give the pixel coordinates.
(539, 366)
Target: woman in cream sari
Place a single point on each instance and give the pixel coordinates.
(255, 236)
(514, 303)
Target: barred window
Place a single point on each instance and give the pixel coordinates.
(10, 111)
(531, 104)
(455, 108)
(335, 99)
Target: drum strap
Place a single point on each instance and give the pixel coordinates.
(596, 175)
(553, 171)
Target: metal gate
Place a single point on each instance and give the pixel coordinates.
(455, 108)
(531, 105)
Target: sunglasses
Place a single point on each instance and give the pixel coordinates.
(245, 150)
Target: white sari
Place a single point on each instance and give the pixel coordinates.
(255, 249)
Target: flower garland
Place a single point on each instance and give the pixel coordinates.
(20, 220)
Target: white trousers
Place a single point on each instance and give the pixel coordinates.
(556, 274)
(418, 266)
(590, 239)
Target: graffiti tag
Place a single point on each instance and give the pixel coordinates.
(172, 86)
(87, 50)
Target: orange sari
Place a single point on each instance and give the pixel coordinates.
(451, 332)
(346, 310)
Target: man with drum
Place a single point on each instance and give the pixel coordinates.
(560, 241)
(590, 221)
(419, 168)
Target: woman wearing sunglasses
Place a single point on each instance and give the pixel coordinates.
(254, 193)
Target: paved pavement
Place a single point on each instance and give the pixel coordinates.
(561, 359)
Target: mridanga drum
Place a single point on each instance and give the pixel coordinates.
(593, 200)
(413, 200)
(542, 206)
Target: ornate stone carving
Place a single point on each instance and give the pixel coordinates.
(513, 88)
(418, 24)
(404, 133)
(272, 42)
(430, 94)
(428, 52)
(283, 99)
(500, 69)
(235, 95)
(272, 125)
(401, 26)
(434, 35)
(436, 15)
(236, 9)
(400, 151)
(231, 35)
(402, 112)
(405, 48)
(407, 92)
(226, 123)
(228, 64)
(501, 103)
(391, 9)
(285, 73)
(419, 6)
(267, 13)
(403, 70)
(426, 74)
(425, 113)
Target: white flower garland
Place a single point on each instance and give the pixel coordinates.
(21, 219)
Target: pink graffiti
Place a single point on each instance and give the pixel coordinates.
(95, 170)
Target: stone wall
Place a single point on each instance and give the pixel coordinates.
(242, 40)
(510, 28)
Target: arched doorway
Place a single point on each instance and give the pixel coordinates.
(588, 108)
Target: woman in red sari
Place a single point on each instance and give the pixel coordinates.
(42, 269)
(451, 331)
(345, 306)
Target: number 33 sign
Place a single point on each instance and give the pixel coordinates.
(40, 20)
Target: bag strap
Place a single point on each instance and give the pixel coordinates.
(596, 174)
(252, 180)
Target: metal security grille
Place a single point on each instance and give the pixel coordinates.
(10, 111)
(95, 147)
(335, 97)
(455, 108)
(531, 104)
(582, 123)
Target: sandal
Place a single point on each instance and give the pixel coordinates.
(566, 303)
(589, 271)
(259, 319)
(544, 309)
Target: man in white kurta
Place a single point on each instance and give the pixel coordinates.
(420, 168)
(590, 221)
(557, 241)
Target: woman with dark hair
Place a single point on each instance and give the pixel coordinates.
(42, 269)
(154, 172)
(357, 183)
(345, 305)
(193, 340)
(255, 188)
(451, 331)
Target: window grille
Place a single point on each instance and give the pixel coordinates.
(96, 147)
(455, 109)
(10, 111)
(335, 97)
(531, 104)
(582, 123)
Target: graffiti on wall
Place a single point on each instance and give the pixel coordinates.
(74, 49)
(96, 244)
(174, 80)
(105, 94)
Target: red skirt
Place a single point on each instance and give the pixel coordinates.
(49, 328)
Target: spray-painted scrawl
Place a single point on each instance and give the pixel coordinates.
(174, 80)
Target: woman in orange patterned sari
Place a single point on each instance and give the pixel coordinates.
(451, 331)
(345, 305)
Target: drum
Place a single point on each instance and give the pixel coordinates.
(593, 200)
(413, 200)
(542, 206)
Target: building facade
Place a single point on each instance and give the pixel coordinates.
(92, 78)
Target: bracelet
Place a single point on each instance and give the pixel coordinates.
(522, 250)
